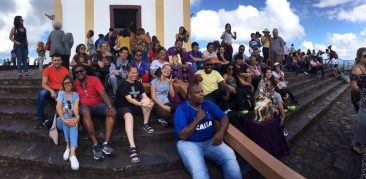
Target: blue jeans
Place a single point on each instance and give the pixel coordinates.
(42, 97)
(97, 110)
(70, 133)
(21, 52)
(193, 153)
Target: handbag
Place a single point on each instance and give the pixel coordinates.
(53, 131)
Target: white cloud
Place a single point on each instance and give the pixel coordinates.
(345, 45)
(208, 25)
(330, 3)
(357, 14)
(34, 21)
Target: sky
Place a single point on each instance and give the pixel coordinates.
(308, 24)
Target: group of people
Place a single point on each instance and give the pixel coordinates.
(124, 74)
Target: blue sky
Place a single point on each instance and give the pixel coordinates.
(309, 24)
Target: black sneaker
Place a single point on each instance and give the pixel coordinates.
(107, 149)
(39, 125)
(97, 151)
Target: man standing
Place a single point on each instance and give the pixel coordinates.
(197, 137)
(51, 83)
(95, 102)
(276, 48)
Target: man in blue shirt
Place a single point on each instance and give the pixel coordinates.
(197, 56)
(197, 136)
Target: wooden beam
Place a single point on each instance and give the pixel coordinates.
(262, 161)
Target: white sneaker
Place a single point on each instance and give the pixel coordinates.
(74, 163)
(67, 154)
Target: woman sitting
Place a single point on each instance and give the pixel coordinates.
(159, 62)
(161, 87)
(154, 52)
(102, 62)
(142, 66)
(256, 71)
(68, 109)
(131, 99)
(281, 87)
(81, 58)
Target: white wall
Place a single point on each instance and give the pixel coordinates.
(73, 17)
(102, 14)
(173, 19)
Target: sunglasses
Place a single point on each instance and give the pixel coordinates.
(79, 71)
(208, 64)
(68, 104)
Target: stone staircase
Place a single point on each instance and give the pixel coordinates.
(31, 150)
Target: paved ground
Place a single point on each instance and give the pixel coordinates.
(324, 150)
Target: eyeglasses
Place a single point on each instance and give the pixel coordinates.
(68, 104)
(208, 64)
(79, 71)
(66, 83)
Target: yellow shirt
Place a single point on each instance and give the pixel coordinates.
(124, 42)
(265, 42)
(210, 81)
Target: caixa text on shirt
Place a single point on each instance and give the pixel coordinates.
(205, 125)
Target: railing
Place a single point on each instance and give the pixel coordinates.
(262, 161)
(345, 65)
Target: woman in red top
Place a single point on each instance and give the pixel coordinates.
(154, 54)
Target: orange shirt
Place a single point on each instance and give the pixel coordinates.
(54, 76)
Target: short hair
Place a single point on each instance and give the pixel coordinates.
(194, 44)
(56, 54)
(178, 40)
(90, 33)
(210, 43)
(130, 67)
(160, 49)
(238, 56)
(123, 48)
(241, 46)
(57, 25)
(193, 83)
(78, 66)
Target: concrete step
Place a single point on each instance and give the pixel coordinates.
(20, 89)
(298, 125)
(155, 158)
(24, 81)
(312, 99)
(15, 128)
(312, 87)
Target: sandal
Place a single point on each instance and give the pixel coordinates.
(148, 128)
(134, 158)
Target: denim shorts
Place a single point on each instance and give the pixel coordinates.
(97, 110)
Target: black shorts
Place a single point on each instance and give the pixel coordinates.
(135, 110)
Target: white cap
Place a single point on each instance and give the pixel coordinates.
(276, 63)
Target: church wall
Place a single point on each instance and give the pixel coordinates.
(173, 19)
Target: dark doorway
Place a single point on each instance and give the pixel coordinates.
(125, 16)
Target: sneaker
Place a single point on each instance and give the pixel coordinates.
(39, 125)
(67, 154)
(74, 163)
(291, 108)
(163, 122)
(107, 149)
(243, 112)
(97, 151)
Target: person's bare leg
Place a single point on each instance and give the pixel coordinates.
(88, 124)
(129, 129)
(109, 124)
(146, 113)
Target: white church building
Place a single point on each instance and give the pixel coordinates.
(158, 17)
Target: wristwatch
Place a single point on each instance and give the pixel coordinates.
(110, 107)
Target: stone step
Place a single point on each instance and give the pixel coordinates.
(25, 81)
(155, 158)
(19, 89)
(298, 125)
(16, 128)
(313, 86)
(312, 99)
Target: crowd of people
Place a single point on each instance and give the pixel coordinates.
(123, 74)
